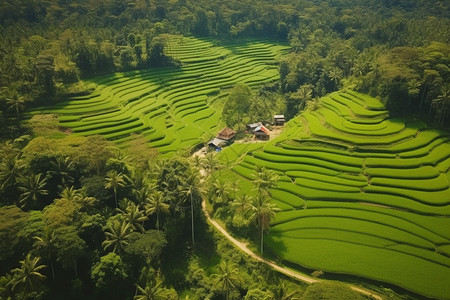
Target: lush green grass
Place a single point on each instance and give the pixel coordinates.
(408, 271)
(360, 194)
(172, 107)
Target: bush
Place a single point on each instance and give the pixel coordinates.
(330, 291)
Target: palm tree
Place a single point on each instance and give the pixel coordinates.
(259, 208)
(27, 278)
(221, 189)
(77, 196)
(228, 279)
(191, 188)
(302, 96)
(114, 181)
(70, 193)
(441, 105)
(11, 168)
(117, 235)
(210, 163)
(32, 187)
(262, 211)
(47, 245)
(16, 102)
(63, 166)
(156, 205)
(335, 74)
(134, 216)
(283, 293)
(151, 292)
(265, 180)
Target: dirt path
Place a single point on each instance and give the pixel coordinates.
(243, 247)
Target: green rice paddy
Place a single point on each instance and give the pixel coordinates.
(361, 193)
(367, 195)
(174, 108)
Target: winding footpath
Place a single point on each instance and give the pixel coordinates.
(243, 247)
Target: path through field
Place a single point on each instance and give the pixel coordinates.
(243, 247)
(360, 193)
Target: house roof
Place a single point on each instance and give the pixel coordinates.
(278, 116)
(254, 125)
(216, 142)
(262, 129)
(226, 134)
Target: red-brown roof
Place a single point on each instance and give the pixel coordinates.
(262, 129)
(226, 134)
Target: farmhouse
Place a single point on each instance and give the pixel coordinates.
(262, 133)
(278, 120)
(226, 134)
(217, 143)
(252, 127)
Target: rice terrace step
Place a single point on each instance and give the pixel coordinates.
(360, 193)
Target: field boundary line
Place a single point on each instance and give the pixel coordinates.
(288, 272)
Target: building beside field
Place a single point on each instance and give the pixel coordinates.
(223, 138)
(279, 120)
(217, 143)
(226, 134)
(262, 133)
(252, 127)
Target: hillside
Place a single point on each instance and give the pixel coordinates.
(361, 193)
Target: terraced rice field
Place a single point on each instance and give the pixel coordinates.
(174, 108)
(360, 194)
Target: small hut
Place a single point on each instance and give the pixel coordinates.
(279, 120)
(217, 143)
(262, 133)
(226, 134)
(252, 127)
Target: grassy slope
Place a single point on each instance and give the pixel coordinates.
(360, 194)
(173, 108)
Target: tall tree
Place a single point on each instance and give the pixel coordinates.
(16, 102)
(70, 247)
(117, 235)
(134, 216)
(46, 245)
(109, 276)
(441, 105)
(27, 279)
(156, 205)
(154, 291)
(237, 105)
(114, 181)
(228, 278)
(191, 189)
(259, 208)
(210, 163)
(32, 187)
(11, 169)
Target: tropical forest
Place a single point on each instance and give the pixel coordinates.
(224, 150)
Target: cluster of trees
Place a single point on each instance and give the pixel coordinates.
(47, 46)
(98, 222)
(244, 107)
(82, 219)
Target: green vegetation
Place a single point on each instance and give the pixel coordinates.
(173, 108)
(103, 103)
(358, 193)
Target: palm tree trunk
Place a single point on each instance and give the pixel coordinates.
(157, 220)
(192, 222)
(262, 241)
(53, 271)
(75, 267)
(115, 198)
(423, 94)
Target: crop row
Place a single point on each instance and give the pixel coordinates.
(168, 103)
